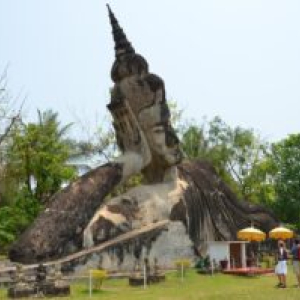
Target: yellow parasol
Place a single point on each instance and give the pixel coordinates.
(251, 234)
(281, 233)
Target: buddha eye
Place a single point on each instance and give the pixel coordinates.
(159, 129)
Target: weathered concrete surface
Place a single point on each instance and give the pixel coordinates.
(58, 229)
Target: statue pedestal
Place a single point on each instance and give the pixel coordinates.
(53, 289)
(138, 280)
(49, 289)
(20, 292)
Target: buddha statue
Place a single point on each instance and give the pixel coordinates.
(196, 205)
(189, 193)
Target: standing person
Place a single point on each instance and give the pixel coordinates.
(281, 267)
(296, 263)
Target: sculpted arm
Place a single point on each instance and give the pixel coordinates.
(136, 154)
(58, 230)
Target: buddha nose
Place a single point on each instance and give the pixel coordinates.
(171, 137)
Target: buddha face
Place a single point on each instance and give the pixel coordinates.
(160, 135)
(142, 100)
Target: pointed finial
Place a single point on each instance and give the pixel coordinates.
(122, 45)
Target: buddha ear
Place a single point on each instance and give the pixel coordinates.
(159, 96)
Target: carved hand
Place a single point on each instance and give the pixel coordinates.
(137, 154)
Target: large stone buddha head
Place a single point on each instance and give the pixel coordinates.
(138, 106)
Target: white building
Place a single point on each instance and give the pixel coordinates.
(232, 251)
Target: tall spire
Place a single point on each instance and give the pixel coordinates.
(122, 45)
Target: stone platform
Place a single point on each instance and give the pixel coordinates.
(151, 279)
(49, 290)
(248, 271)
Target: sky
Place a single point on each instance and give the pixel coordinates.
(236, 59)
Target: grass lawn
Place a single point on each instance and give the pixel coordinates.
(194, 286)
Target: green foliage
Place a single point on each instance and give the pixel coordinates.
(9, 119)
(203, 263)
(38, 155)
(16, 217)
(256, 171)
(238, 155)
(286, 161)
(34, 170)
(102, 141)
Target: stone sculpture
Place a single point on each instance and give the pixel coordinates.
(147, 274)
(20, 287)
(45, 284)
(199, 205)
(41, 274)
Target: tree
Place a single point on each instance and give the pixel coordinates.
(14, 212)
(236, 153)
(102, 141)
(35, 167)
(38, 156)
(286, 161)
(8, 115)
(176, 116)
(9, 118)
(16, 217)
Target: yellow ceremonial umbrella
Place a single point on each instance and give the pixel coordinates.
(281, 233)
(251, 234)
